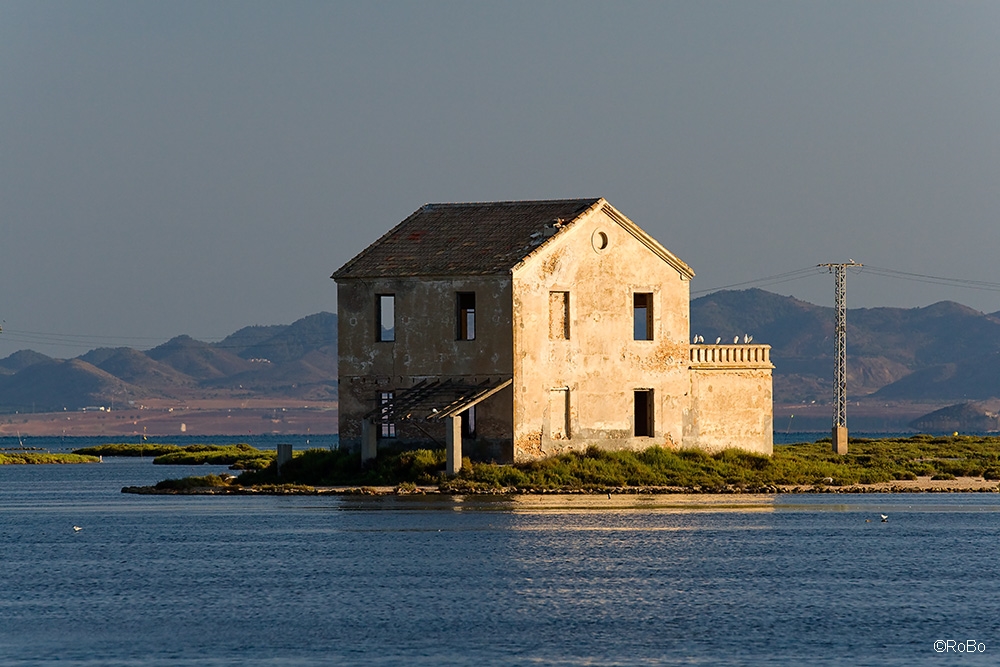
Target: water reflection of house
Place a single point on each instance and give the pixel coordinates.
(528, 328)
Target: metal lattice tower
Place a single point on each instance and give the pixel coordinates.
(840, 370)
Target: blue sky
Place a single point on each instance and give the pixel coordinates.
(195, 167)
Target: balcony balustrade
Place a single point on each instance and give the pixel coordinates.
(731, 356)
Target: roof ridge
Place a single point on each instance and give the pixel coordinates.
(513, 202)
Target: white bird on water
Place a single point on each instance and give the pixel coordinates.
(885, 519)
(77, 529)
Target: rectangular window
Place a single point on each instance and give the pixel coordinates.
(644, 413)
(388, 427)
(559, 315)
(385, 312)
(466, 315)
(642, 316)
(469, 423)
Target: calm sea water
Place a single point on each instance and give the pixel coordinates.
(677, 580)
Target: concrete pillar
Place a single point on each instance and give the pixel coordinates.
(839, 439)
(284, 456)
(369, 441)
(453, 444)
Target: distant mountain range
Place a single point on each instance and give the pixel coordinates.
(943, 353)
(298, 360)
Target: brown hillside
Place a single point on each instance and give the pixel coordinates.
(137, 368)
(198, 360)
(57, 384)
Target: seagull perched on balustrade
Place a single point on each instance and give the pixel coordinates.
(718, 340)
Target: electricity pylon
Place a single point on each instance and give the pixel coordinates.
(840, 372)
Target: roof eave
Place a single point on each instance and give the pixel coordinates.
(670, 258)
(504, 273)
(344, 271)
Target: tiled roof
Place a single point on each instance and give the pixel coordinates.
(463, 239)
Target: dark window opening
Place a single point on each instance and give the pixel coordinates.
(385, 312)
(642, 320)
(388, 428)
(466, 316)
(469, 423)
(644, 413)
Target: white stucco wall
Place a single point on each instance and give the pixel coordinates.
(600, 365)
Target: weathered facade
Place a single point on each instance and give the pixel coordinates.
(526, 329)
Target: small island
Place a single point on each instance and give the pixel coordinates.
(17, 456)
(239, 456)
(921, 463)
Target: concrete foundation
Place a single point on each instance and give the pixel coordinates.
(839, 439)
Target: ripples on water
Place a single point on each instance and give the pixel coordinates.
(432, 580)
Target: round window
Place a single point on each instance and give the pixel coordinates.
(600, 240)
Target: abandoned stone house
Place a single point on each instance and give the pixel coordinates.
(517, 330)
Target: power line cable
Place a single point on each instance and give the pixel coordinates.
(88, 342)
(777, 279)
(934, 280)
(861, 270)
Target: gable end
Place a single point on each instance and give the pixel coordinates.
(670, 258)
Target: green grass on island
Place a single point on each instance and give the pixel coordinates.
(14, 457)
(804, 464)
(239, 456)
(129, 449)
